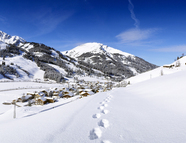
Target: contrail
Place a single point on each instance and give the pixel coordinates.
(131, 7)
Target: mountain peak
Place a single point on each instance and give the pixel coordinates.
(93, 48)
(5, 38)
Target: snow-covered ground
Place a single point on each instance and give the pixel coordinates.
(150, 110)
(20, 63)
(12, 90)
(158, 71)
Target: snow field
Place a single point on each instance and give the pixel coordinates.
(157, 72)
(25, 64)
(145, 112)
(12, 90)
(97, 132)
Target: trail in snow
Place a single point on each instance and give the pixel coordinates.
(97, 132)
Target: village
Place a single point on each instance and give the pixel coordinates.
(79, 88)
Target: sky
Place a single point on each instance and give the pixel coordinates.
(154, 30)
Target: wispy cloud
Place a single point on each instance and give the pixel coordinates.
(135, 35)
(133, 16)
(176, 48)
(47, 21)
(2, 19)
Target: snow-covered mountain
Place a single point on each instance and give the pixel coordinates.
(22, 60)
(5, 38)
(96, 48)
(109, 60)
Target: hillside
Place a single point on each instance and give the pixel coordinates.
(22, 60)
(151, 110)
(177, 66)
(109, 60)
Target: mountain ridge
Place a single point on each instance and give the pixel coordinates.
(93, 47)
(4, 37)
(113, 61)
(103, 62)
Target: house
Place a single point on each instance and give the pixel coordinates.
(19, 99)
(168, 66)
(50, 100)
(37, 95)
(56, 94)
(27, 97)
(45, 92)
(30, 93)
(84, 94)
(41, 101)
(67, 94)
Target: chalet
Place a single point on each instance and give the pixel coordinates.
(168, 66)
(37, 95)
(30, 93)
(84, 94)
(67, 94)
(50, 100)
(41, 101)
(56, 94)
(19, 99)
(40, 94)
(45, 92)
(27, 97)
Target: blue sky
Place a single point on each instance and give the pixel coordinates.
(151, 29)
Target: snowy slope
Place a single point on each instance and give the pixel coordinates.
(91, 59)
(21, 64)
(158, 71)
(151, 111)
(23, 60)
(111, 61)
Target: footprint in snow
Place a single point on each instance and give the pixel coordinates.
(105, 111)
(106, 141)
(104, 123)
(110, 96)
(102, 102)
(101, 107)
(105, 105)
(95, 133)
(96, 115)
(107, 100)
